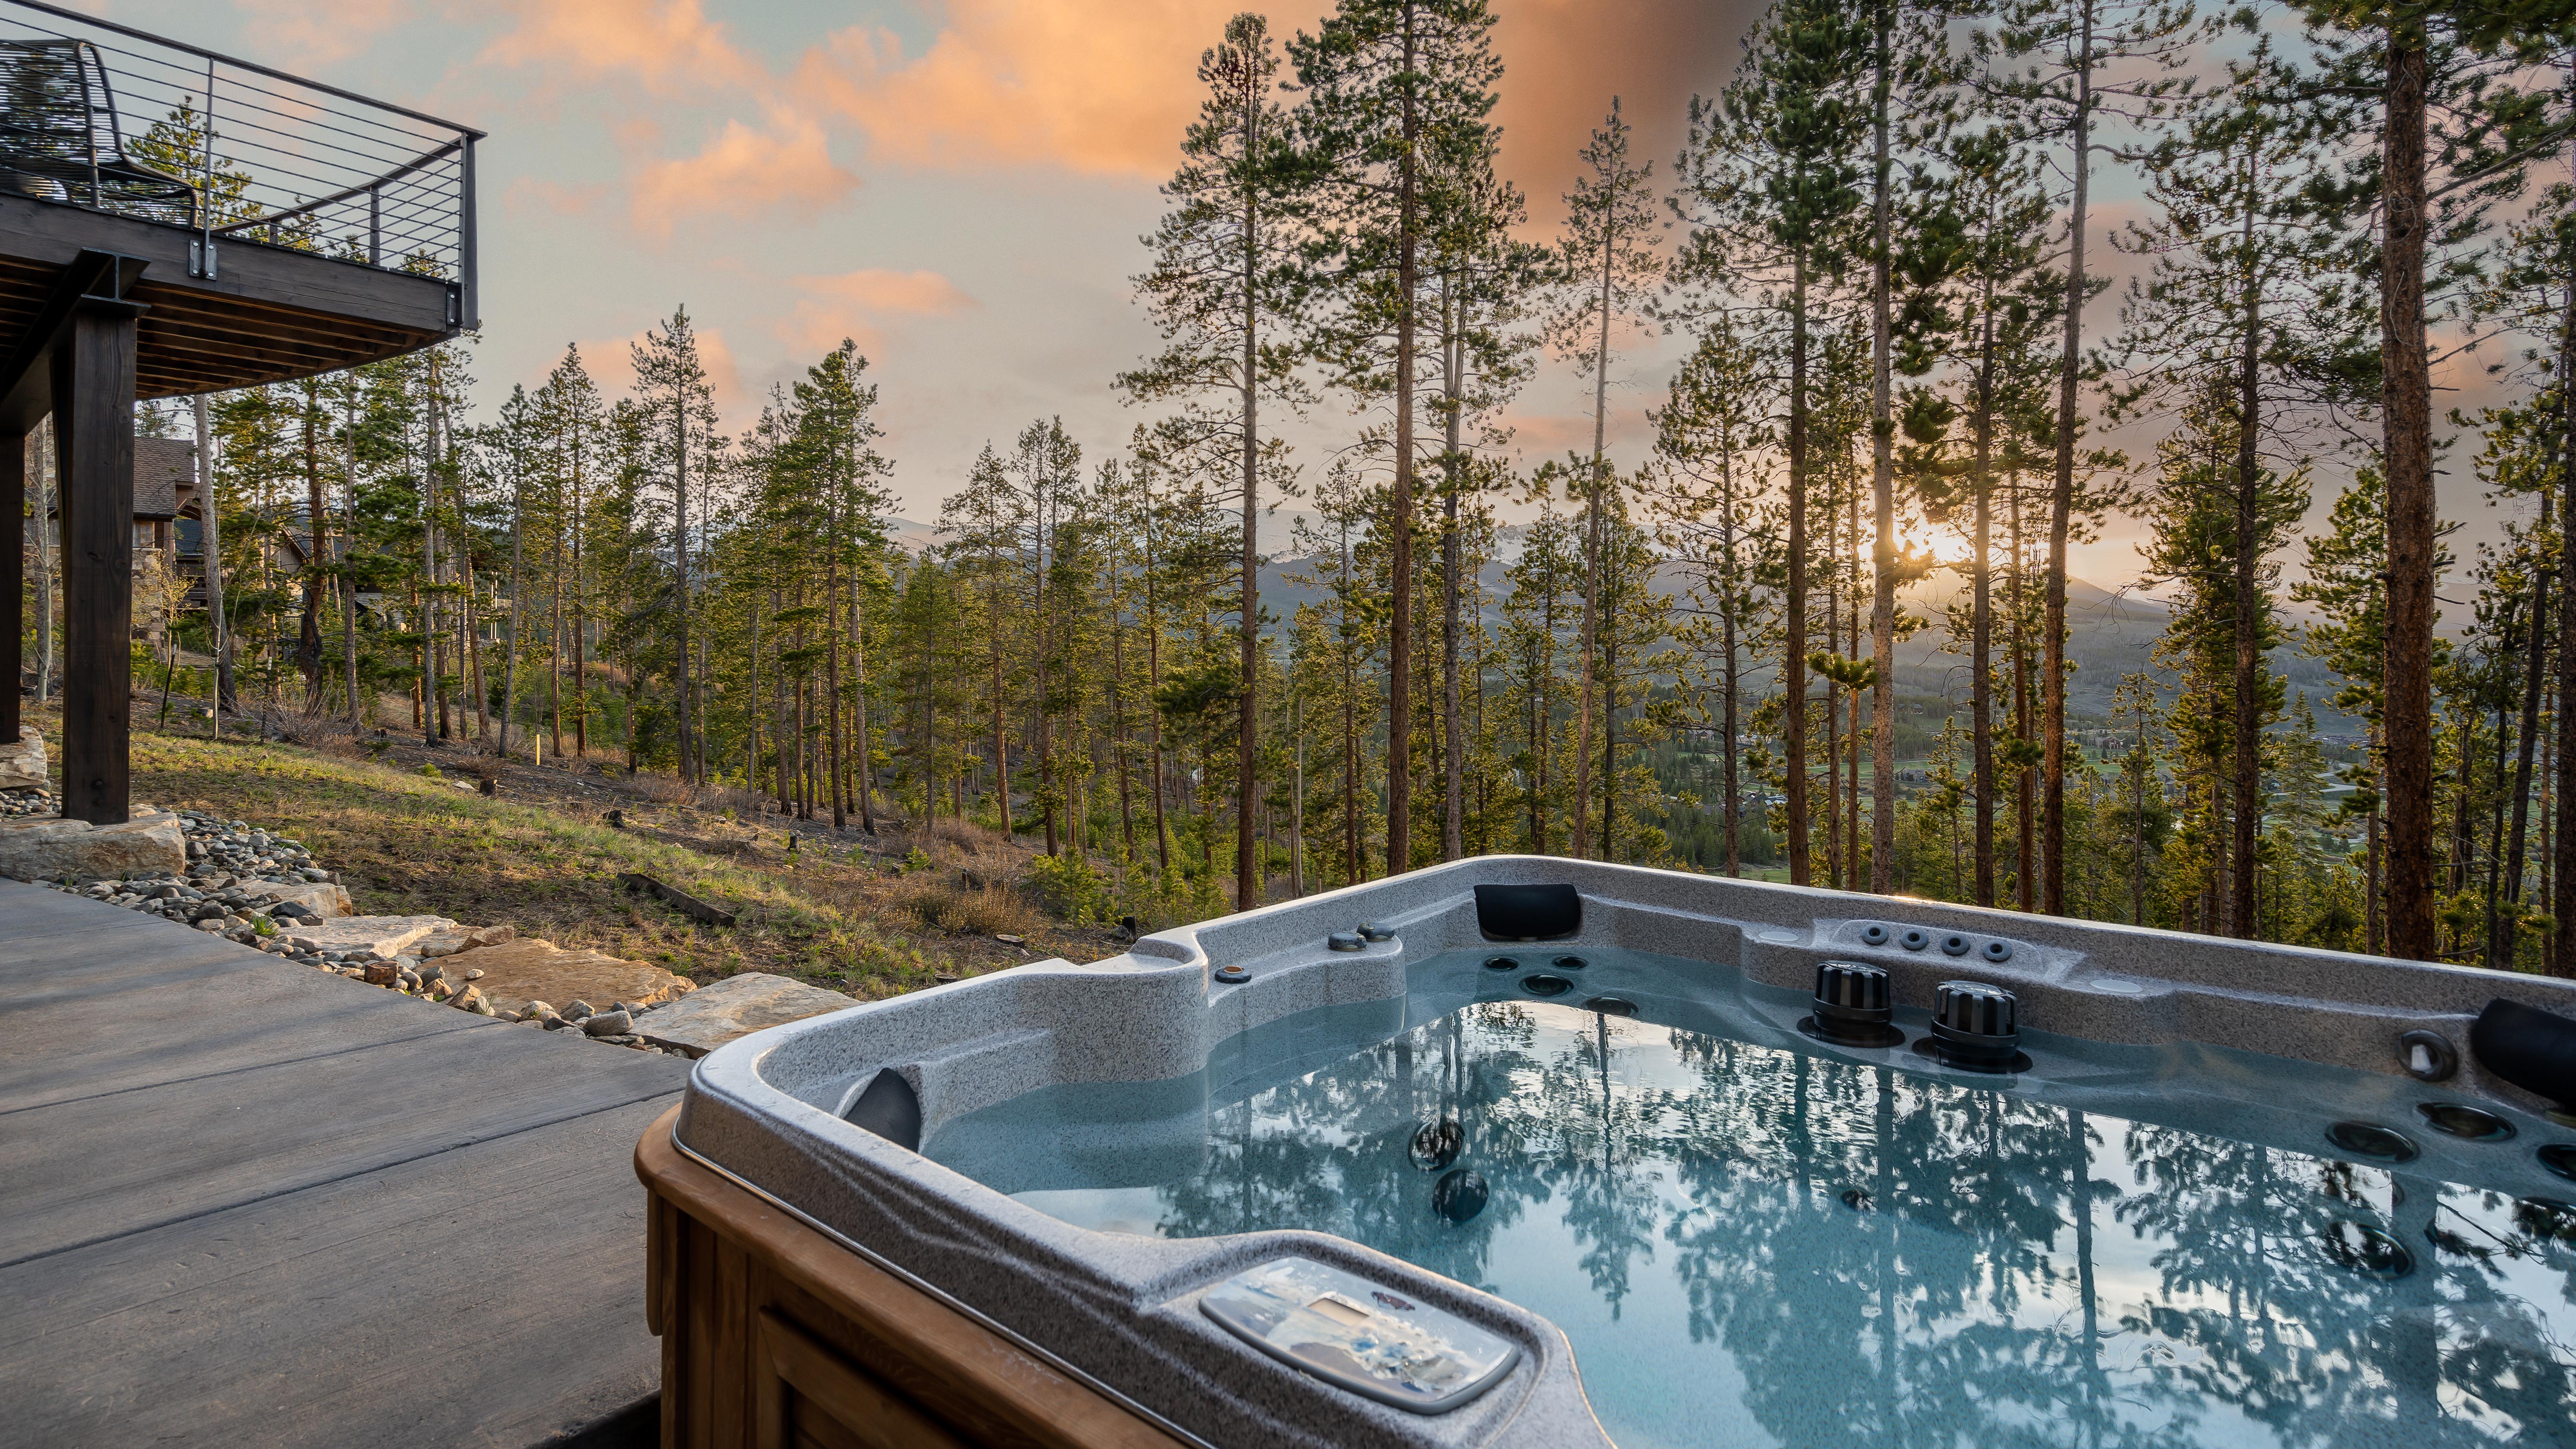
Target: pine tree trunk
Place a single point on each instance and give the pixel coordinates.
(211, 506)
(2562, 896)
(680, 556)
(1399, 647)
(2061, 506)
(832, 687)
(1882, 472)
(1153, 717)
(1794, 605)
(308, 634)
(1247, 890)
(1453, 775)
(2406, 411)
(2249, 605)
(1981, 674)
(863, 759)
(433, 699)
(348, 550)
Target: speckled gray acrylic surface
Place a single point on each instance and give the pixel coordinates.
(1124, 1309)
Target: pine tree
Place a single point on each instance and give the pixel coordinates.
(671, 383)
(1224, 294)
(1609, 264)
(1769, 185)
(2245, 285)
(1397, 97)
(2089, 60)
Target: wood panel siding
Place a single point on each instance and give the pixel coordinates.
(776, 1337)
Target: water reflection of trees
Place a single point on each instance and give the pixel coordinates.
(1955, 1297)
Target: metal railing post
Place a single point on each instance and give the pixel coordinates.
(206, 197)
(375, 227)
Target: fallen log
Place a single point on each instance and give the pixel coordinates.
(677, 898)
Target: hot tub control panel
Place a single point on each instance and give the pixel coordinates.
(1361, 1336)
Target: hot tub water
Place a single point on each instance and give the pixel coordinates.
(1750, 1239)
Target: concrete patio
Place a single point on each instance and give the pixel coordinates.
(247, 1201)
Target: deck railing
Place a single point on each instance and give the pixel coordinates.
(103, 116)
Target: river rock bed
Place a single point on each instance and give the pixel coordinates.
(255, 887)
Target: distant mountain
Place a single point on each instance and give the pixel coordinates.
(2111, 633)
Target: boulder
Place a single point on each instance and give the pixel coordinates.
(531, 968)
(448, 943)
(736, 1006)
(323, 899)
(386, 936)
(22, 765)
(48, 847)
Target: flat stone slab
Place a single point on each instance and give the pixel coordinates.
(48, 847)
(22, 765)
(322, 898)
(384, 935)
(535, 969)
(736, 1006)
(448, 943)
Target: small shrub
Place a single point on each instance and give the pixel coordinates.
(964, 834)
(1074, 890)
(957, 910)
(430, 772)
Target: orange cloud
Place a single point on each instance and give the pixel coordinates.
(922, 294)
(818, 327)
(669, 46)
(848, 305)
(314, 35)
(741, 171)
(1097, 88)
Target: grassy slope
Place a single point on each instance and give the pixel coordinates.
(409, 844)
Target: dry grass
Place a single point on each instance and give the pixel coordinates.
(540, 856)
(955, 908)
(963, 835)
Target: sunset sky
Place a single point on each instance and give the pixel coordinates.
(958, 186)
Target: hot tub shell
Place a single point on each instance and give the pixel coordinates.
(1118, 1318)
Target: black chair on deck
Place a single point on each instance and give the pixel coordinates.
(59, 139)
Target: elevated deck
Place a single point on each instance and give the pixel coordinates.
(243, 1201)
(268, 314)
(176, 221)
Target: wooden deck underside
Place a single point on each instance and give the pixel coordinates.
(270, 314)
(243, 1201)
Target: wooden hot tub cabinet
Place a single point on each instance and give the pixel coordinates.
(776, 1337)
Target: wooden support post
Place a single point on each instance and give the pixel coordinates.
(93, 378)
(13, 573)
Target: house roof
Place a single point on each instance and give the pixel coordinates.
(165, 476)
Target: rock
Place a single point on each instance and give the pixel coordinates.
(528, 969)
(448, 943)
(468, 999)
(48, 847)
(712, 1015)
(213, 925)
(578, 1010)
(325, 901)
(607, 1023)
(377, 973)
(22, 765)
(386, 936)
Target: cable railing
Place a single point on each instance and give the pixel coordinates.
(102, 116)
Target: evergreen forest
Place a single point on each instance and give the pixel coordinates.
(1823, 630)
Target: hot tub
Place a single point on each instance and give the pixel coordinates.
(1666, 1179)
